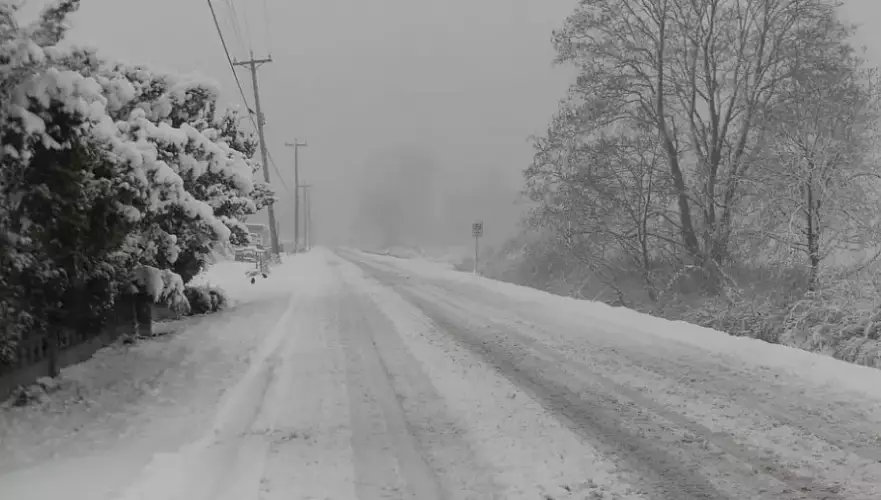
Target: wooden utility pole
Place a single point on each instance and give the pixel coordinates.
(252, 64)
(296, 145)
(307, 216)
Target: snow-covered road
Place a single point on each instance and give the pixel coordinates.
(354, 376)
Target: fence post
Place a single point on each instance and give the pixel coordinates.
(144, 315)
(51, 338)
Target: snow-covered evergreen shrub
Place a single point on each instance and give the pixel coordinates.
(207, 151)
(63, 217)
(205, 299)
(111, 177)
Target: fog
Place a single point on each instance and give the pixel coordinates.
(420, 110)
(407, 197)
(416, 113)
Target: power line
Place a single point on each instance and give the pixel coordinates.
(247, 30)
(268, 28)
(231, 65)
(278, 173)
(234, 24)
(242, 90)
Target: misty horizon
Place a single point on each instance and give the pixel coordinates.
(464, 84)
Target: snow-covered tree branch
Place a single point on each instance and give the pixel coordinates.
(111, 176)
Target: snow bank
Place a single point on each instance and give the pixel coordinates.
(448, 257)
(193, 470)
(139, 406)
(232, 277)
(817, 368)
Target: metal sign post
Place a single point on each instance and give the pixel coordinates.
(477, 232)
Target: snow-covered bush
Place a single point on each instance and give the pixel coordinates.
(207, 152)
(63, 195)
(111, 177)
(842, 319)
(745, 316)
(205, 299)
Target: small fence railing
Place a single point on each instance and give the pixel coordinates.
(36, 356)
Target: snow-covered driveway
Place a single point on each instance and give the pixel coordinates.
(351, 376)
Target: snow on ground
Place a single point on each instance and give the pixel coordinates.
(532, 455)
(114, 411)
(342, 391)
(685, 398)
(373, 377)
(823, 370)
(447, 257)
(231, 276)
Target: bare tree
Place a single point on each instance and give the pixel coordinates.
(823, 182)
(703, 74)
(604, 195)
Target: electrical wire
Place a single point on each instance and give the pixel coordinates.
(247, 26)
(232, 66)
(233, 22)
(277, 172)
(242, 91)
(268, 27)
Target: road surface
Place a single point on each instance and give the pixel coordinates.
(375, 379)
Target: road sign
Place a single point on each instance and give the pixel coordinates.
(477, 232)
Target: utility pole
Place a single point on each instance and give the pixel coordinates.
(307, 218)
(296, 145)
(252, 64)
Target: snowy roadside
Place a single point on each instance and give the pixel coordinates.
(226, 457)
(112, 412)
(819, 369)
(230, 276)
(446, 257)
(355, 395)
(525, 450)
(759, 410)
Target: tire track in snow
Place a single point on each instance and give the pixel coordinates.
(792, 434)
(388, 460)
(311, 456)
(528, 453)
(203, 470)
(821, 414)
(824, 412)
(570, 405)
(605, 421)
(440, 438)
(357, 418)
(763, 473)
(267, 428)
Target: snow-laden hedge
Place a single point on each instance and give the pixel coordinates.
(205, 299)
(113, 177)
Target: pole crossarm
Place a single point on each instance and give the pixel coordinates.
(249, 62)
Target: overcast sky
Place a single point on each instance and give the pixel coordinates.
(465, 80)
